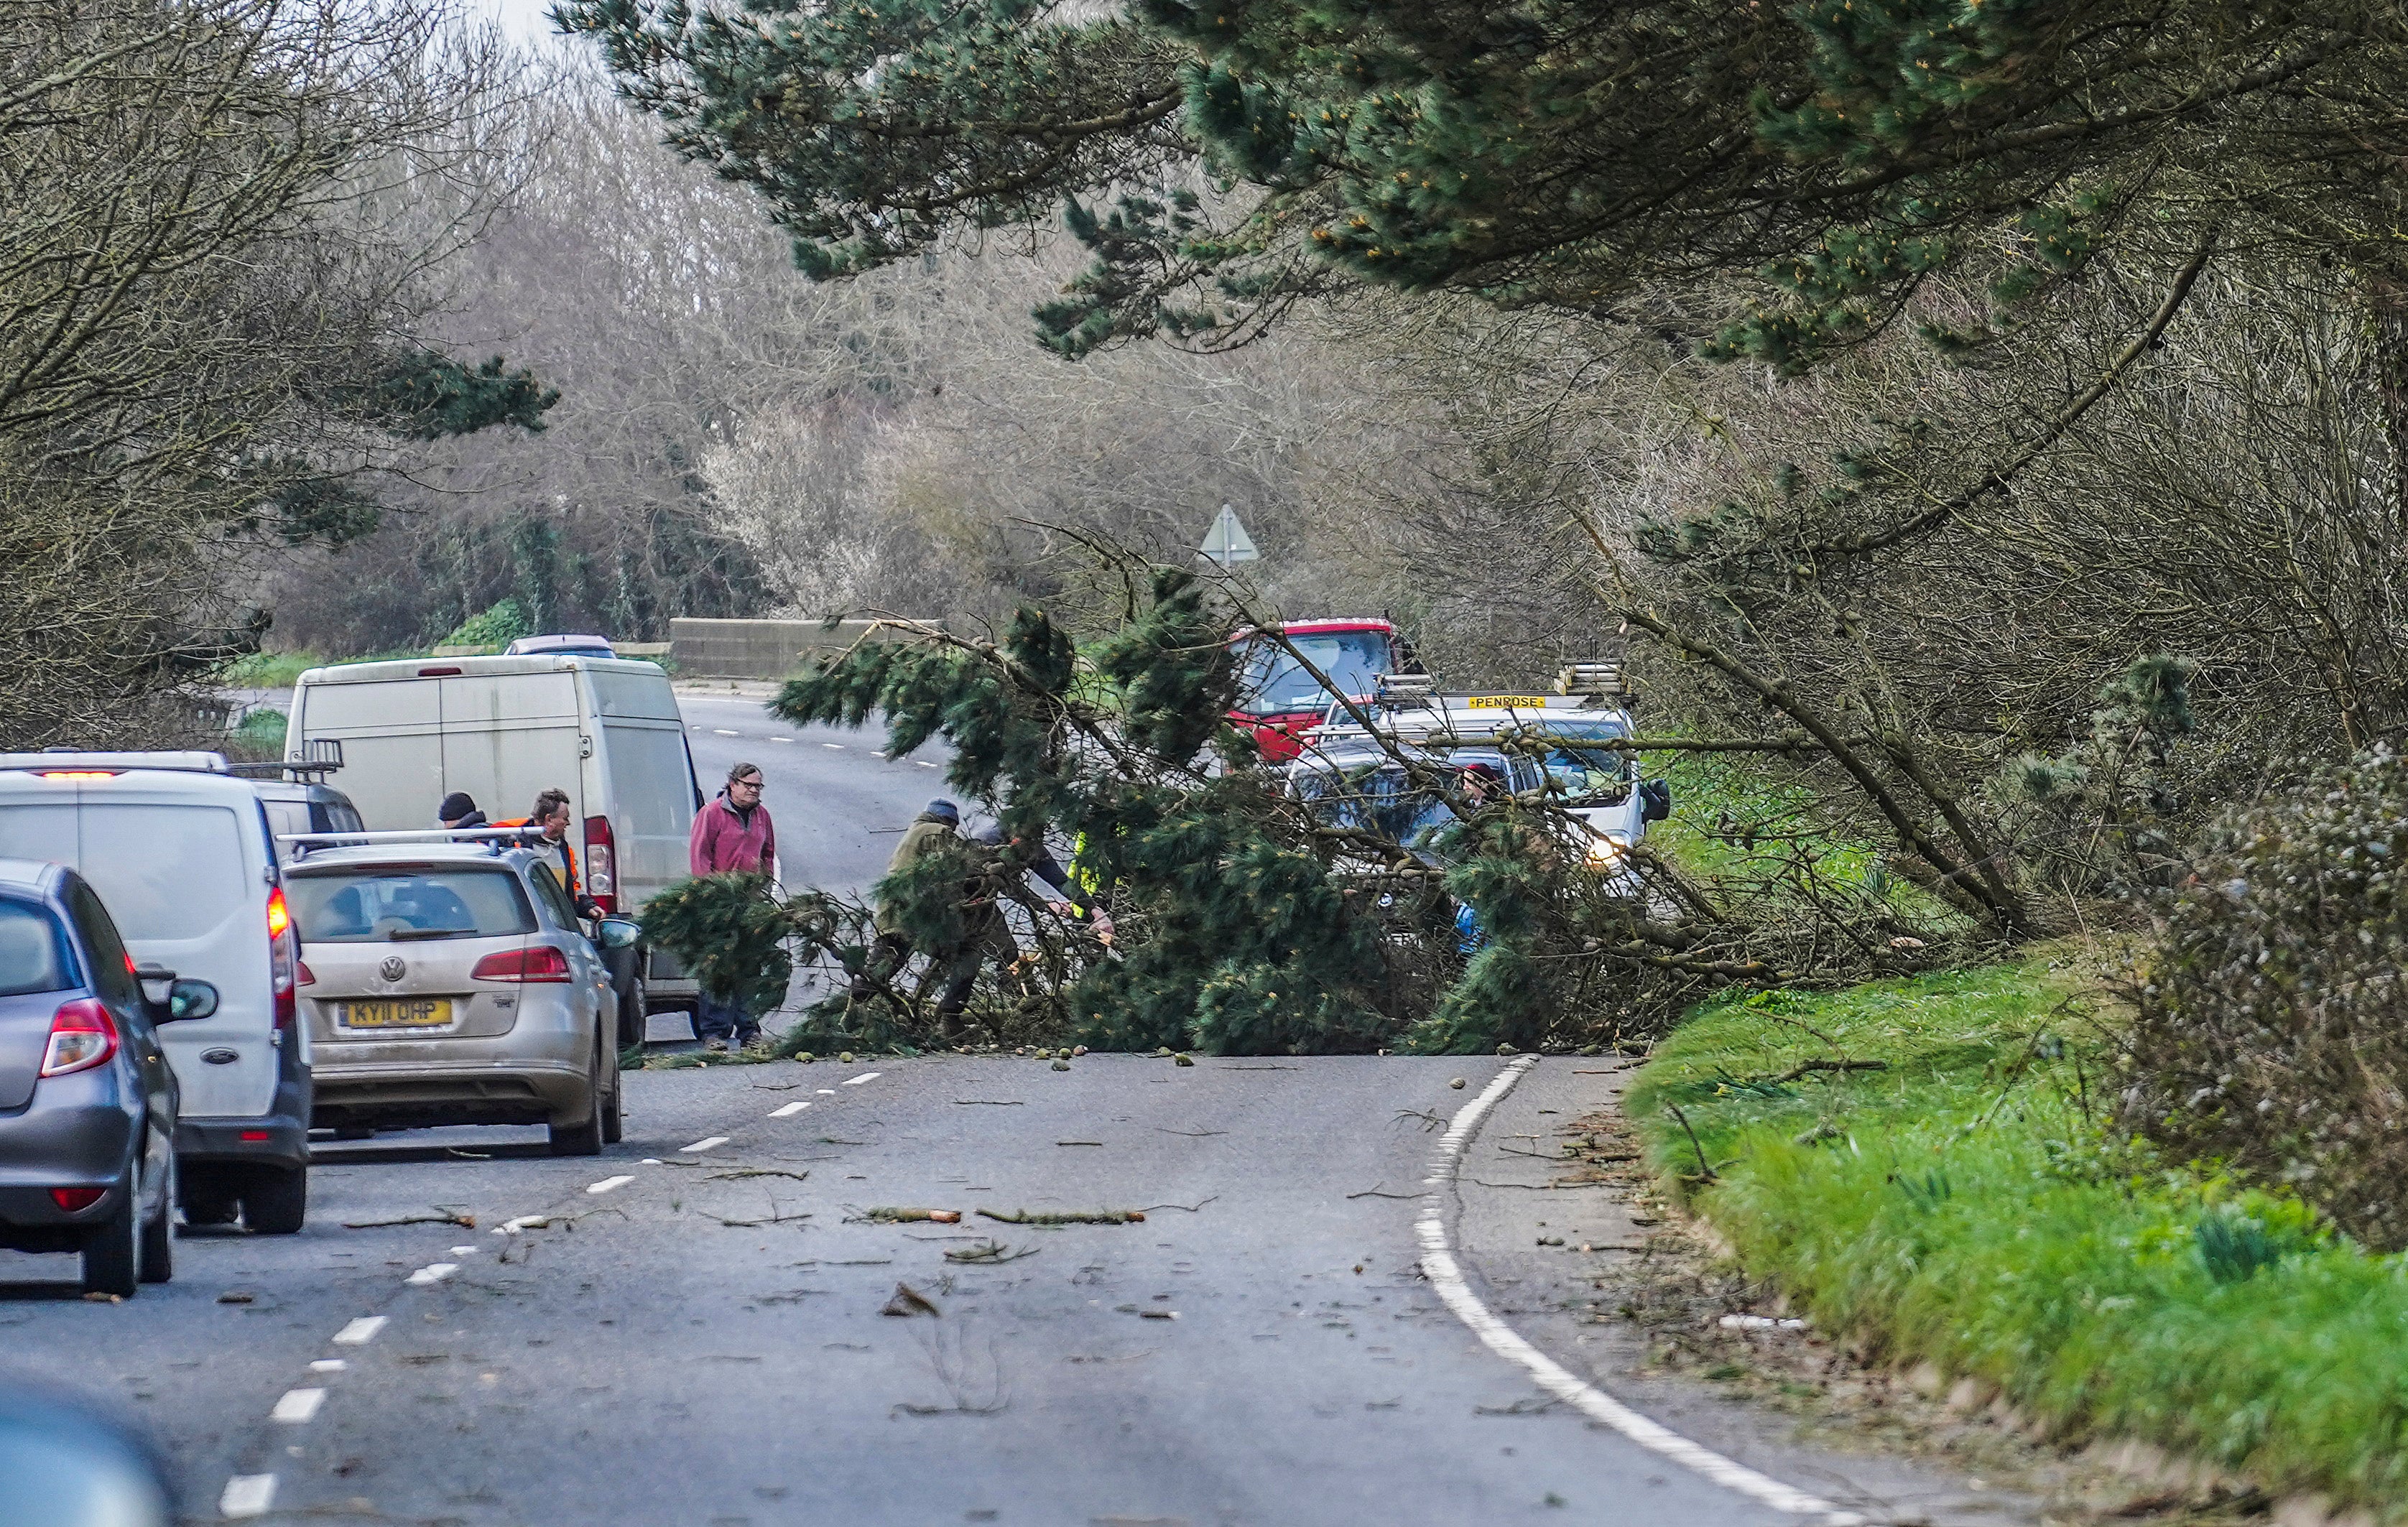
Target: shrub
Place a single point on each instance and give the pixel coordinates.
(497, 625)
(2272, 1029)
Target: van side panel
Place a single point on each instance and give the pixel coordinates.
(391, 733)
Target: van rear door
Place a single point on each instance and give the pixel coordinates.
(186, 881)
(507, 738)
(391, 733)
(645, 779)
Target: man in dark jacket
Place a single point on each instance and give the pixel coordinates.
(458, 812)
(732, 833)
(985, 937)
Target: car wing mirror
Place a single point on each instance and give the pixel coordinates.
(620, 933)
(190, 999)
(1655, 800)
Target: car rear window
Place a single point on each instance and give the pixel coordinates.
(33, 951)
(372, 905)
(166, 872)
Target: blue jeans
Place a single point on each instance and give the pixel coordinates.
(716, 1019)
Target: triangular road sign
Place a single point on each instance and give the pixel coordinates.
(1227, 542)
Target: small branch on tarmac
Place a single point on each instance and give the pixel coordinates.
(440, 1217)
(989, 1252)
(1183, 1208)
(751, 1224)
(1072, 1217)
(905, 1217)
(1191, 1134)
(757, 1172)
(1373, 1192)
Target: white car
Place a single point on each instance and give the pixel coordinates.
(449, 983)
(178, 848)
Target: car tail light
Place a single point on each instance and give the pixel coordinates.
(534, 963)
(601, 864)
(283, 956)
(82, 1035)
(303, 974)
(73, 1199)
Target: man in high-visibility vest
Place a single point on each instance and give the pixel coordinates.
(550, 814)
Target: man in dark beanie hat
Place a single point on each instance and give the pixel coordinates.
(458, 811)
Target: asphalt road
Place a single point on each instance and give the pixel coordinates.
(693, 1333)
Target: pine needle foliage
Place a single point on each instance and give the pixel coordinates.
(1246, 921)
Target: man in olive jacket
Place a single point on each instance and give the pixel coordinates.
(986, 936)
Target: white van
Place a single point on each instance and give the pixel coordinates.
(178, 848)
(505, 729)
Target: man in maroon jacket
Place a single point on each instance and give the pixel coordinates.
(732, 832)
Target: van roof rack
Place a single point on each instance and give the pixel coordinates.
(74, 760)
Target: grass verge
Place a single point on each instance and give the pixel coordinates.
(1964, 1205)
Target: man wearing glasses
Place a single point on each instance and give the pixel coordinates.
(732, 832)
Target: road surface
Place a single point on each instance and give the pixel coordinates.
(691, 1330)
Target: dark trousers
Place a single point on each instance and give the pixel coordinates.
(716, 1019)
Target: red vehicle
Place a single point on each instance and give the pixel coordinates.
(1281, 702)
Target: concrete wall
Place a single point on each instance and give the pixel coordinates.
(759, 648)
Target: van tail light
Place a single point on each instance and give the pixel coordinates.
(75, 1200)
(601, 864)
(82, 1035)
(283, 957)
(534, 963)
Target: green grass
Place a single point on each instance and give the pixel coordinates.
(260, 739)
(1965, 1206)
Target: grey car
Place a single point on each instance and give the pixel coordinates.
(453, 983)
(88, 1102)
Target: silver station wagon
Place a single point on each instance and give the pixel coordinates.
(451, 983)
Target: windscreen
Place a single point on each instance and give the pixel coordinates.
(375, 906)
(1588, 775)
(32, 953)
(166, 872)
(1276, 682)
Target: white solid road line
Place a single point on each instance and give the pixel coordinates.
(788, 1111)
(1439, 1266)
(434, 1272)
(713, 1143)
(360, 1332)
(248, 1495)
(297, 1406)
(607, 1184)
(867, 1076)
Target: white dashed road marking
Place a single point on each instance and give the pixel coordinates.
(827, 1092)
(837, 746)
(781, 739)
(464, 1250)
(248, 1495)
(434, 1272)
(713, 1143)
(788, 1111)
(1446, 1277)
(607, 1184)
(328, 1364)
(724, 733)
(867, 1076)
(360, 1332)
(923, 762)
(297, 1406)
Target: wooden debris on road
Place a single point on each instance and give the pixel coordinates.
(909, 1301)
(906, 1217)
(1070, 1217)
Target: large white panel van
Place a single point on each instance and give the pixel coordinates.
(178, 848)
(505, 729)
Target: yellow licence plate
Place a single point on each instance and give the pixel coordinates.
(399, 1013)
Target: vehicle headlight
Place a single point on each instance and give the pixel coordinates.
(1608, 850)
